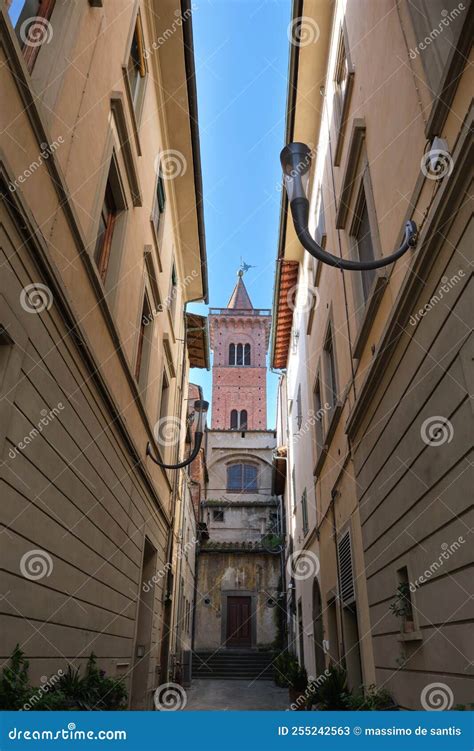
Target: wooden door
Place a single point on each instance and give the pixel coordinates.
(239, 622)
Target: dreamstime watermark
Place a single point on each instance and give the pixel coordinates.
(168, 33)
(36, 31)
(311, 300)
(436, 164)
(436, 431)
(36, 298)
(446, 18)
(437, 697)
(446, 286)
(313, 684)
(311, 420)
(46, 419)
(148, 586)
(168, 430)
(303, 31)
(47, 149)
(48, 684)
(36, 564)
(170, 697)
(170, 164)
(304, 564)
(66, 734)
(448, 551)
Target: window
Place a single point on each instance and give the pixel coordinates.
(173, 290)
(318, 412)
(247, 354)
(299, 409)
(330, 369)
(343, 79)
(136, 67)
(427, 17)
(217, 515)
(304, 512)
(238, 420)
(363, 245)
(32, 27)
(144, 342)
(165, 396)
(242, 478)
(239, 354)
(159, 204)
(111, 217)
(105, 232)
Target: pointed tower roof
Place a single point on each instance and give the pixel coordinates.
(239, 299)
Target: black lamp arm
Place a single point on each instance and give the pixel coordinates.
(300, 212)
(197, 445)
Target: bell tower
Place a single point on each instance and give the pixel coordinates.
(239, 340)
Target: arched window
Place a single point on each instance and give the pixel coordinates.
(231, 354)
(234, 419)
(247, 354)
(242, 478)
(243, 419)
(240, 354)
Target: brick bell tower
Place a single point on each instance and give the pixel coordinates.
(239, 340)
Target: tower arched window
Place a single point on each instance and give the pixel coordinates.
(234, 419)
(239, 354)
(243, 419)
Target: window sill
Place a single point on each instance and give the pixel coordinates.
(405, 636)
(371, 307)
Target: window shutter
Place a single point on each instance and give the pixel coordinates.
(304, 511)
(346, 577)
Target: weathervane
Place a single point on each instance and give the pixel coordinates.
(244, 267)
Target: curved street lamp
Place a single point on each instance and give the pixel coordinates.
(200, 409)
(296, 162)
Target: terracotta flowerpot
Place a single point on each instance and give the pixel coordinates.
(408, 626)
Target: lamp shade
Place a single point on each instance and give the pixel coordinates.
(295, 160)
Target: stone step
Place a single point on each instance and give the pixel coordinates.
(234, 664)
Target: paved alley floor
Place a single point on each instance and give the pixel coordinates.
(206, 693)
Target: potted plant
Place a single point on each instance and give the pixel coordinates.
(331, 694)
(297, 685)
(401, 607)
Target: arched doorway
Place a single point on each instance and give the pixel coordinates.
(318, 633)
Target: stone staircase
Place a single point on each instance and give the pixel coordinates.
(235, 664)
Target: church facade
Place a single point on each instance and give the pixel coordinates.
(238, 577)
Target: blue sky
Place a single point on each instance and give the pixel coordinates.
(241, 56)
